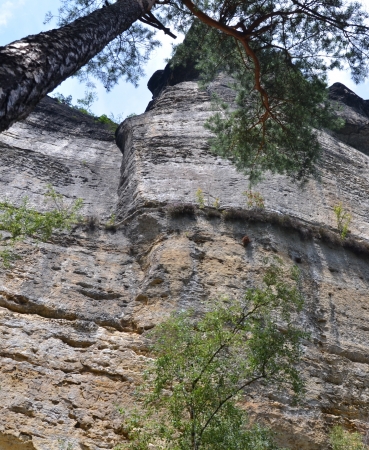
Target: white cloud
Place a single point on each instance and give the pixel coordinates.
(7, 10)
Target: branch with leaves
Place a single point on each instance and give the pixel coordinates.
(204, 366)
(20, 222)
(278, 53)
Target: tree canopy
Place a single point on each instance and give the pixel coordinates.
(278, 53)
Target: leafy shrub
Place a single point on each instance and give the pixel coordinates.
(21, 222)
(84, 111)
(343, 219)
(111, 223)
(64, 445)
(343, 440)
(216, 203)
(200, 198)
(203, 365)
(254, 199)
(62, 99)
(84, 107)
(107, 121)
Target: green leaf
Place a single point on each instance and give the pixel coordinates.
(205, 364)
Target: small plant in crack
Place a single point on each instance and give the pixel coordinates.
(210, 201)
(65, 445)
(20, 222)
(254, 199)
(343, 219)
(200, 198)
(111, 224)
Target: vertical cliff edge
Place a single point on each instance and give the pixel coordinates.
(74, 311)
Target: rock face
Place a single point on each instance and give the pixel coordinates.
(355, 111)
(74, 311)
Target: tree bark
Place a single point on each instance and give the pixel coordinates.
(35, 65)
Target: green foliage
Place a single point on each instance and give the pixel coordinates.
(278, 54)
(111, 223)
(216, 203)
(277, 134)
(204, 366)
(343, 219)
(64, 445)
(62, 99)
(7, 256)
(21, 222)
(254, 199)
(84, 107)
(123, 57)
(84, 104)
(200, 198)
(84, 111)
(283, 139)
(343, 440)
(107, 121)
(111, 220)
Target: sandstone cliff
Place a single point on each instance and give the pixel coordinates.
(73, 311)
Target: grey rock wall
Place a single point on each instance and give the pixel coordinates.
(60, 146)
(355, 111)
(166, 159)
(74, 311)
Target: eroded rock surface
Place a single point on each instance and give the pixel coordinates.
(355, 111)
(74, 311)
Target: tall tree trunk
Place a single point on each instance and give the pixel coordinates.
(35, 65)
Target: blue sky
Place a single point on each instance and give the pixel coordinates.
(19, 18)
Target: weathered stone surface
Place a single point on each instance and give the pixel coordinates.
(355, 111)
(73, 312)
(166, 159)
(60, 146)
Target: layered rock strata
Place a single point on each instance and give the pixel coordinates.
(74, 311)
